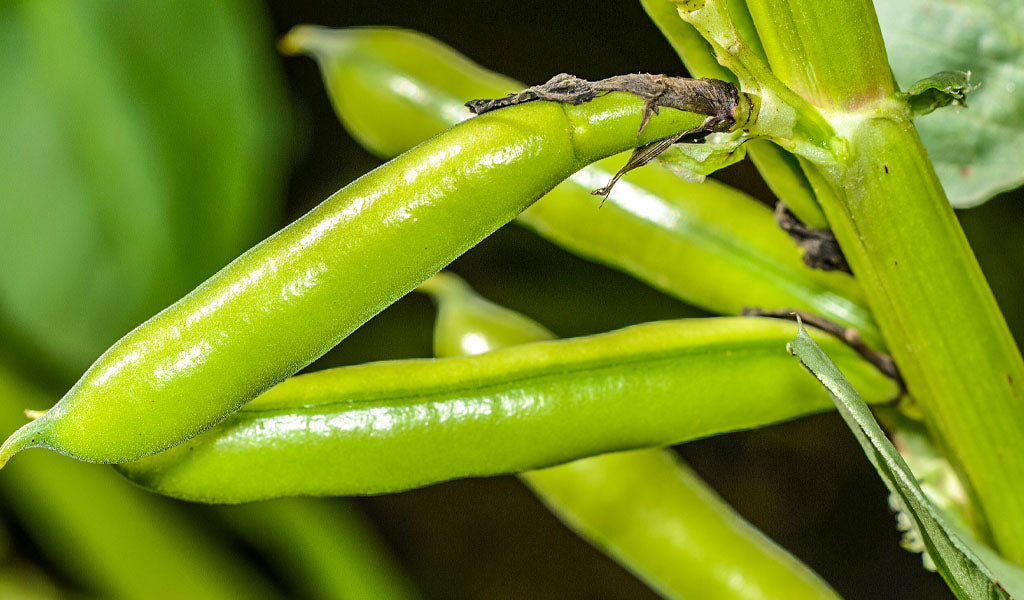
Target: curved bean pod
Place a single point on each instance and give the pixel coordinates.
(394, 88)
(707, 244)
(291, 298)
(648, 508)
(644, 508)
(390, 426)
(469, 324)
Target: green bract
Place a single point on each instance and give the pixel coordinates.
(291, 298)
(956, 558)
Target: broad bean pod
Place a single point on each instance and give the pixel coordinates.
(648, 508)
(286, 301)
(708, 244)
(390, 426)
(645, 508)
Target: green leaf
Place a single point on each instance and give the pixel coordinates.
(967, 576)
(977, 151)
(143, 148)
(939, 90)
(693, 162)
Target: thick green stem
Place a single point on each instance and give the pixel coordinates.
(899, 234)
(778, 168)
(830, 52)
(937, 313)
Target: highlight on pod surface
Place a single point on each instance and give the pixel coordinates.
(395, 301)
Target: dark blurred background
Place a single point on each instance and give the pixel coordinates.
(805, 483)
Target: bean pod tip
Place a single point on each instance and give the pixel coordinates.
(308, 39)
(24, 437)
(18, 441)
(443, 285)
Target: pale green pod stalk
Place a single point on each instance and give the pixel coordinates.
(779, 169)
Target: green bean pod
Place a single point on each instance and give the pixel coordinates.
(648, 508)
(644, 508)
(291, 298)
(469, 324)
(708, 244)
(390, 426)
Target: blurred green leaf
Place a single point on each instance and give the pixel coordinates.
(955, 556)
(24, 581)
(102, 534)
(144, 147)
(977, 152)
(325, 547)
(693, 162)
(938, 90)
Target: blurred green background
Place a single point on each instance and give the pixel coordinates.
(143, 146)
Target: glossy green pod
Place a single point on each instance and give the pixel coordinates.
(389, 426)
(469, 324)
(706, 243)
(291, 298)
(650, 510)
(644, 508)
(381, 80)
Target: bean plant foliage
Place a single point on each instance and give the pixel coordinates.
(967, 574)
(977, 153)
(74, 163)
(146, 146)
